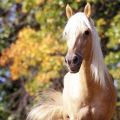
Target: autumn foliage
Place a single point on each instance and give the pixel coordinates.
(32, 48)
(33, 57)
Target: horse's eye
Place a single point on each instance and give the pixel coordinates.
(86, 32)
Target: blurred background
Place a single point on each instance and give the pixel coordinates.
(32, 49)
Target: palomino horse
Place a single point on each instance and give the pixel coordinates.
(88, 93)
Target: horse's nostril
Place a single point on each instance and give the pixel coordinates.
(75, 60)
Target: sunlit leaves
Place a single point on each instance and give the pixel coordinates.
(30, 4)
(114, 32)
(101, 23)
(113, 62)
(112, 58)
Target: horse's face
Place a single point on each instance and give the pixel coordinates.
(76, 50)
(78, 36)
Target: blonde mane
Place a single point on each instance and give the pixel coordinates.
(72, 29)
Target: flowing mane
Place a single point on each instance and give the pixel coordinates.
(74, 25)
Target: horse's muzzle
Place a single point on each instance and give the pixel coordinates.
(73, 62)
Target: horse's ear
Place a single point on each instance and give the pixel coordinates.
(69, 11)
(88, 10)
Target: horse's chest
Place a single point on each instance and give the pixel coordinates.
(72, 87)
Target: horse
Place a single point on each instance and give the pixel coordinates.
(89, 92)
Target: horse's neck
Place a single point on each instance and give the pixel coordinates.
(86, 78)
